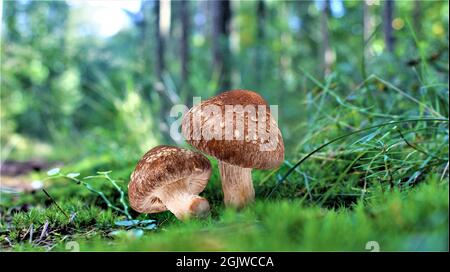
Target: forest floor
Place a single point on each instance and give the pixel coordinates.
(362, 177)
(395, 220)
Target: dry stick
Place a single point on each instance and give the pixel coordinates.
(9, 241)
(31, 233)
(53, 200)
(72, 217)
(44, 230)
(443, 173)
(345, 136)
(26, 233)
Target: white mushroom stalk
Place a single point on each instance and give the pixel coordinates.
(237, 185)
(181, 202)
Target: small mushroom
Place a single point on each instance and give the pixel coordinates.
(170, 178)
(242, 152)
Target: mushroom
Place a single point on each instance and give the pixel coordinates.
(235, 142)
(170, 178)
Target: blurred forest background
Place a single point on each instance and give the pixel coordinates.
(99, 77)
(88, 86)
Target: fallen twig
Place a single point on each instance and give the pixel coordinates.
(31, 233)
(53, 200)
(443, 173)
(72, 217)
(44, 230)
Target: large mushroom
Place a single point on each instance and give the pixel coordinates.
(235, 139)
(170, 178)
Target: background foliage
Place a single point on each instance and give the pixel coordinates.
(87, 101)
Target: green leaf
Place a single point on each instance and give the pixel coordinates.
(73, 175)
(126, 223)
(133, 233)
(53, 171)
(147, 221)
(150, 227)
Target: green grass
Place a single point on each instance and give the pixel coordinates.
(399, 221)
(366, 168)
(408, 220)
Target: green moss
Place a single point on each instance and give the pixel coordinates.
(399, 221)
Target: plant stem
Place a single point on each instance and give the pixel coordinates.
(53, 200)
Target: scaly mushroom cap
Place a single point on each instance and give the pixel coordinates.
(245, 152)
(164, 166)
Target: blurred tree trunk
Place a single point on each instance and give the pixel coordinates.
(1, 11)
(308, 26)
(367, 22)
(260, 35)
(417, 18)
(326, 51)
(165, 10)
(261, 17)
(388, 15)
(368, 28)
(10, 10)
(221, 17)
(143, 26)
(186, 29)
(160, 32)
(159, 65)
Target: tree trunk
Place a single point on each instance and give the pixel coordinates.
(165, 10)
(10, 7)
(159, 67)
(367, 22)
(326, 51)
(260, 17)
(143, 26)
(308, 26)
(368, 28)
(221, 13)
(388, 14)
(186, 29)
(417, 18)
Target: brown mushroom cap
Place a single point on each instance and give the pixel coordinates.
(245, 153)
(163, 166)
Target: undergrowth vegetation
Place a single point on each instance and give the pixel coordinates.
(367, 144)
(385, 180)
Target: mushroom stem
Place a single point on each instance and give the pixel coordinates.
(237, 185)
(181, 202)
